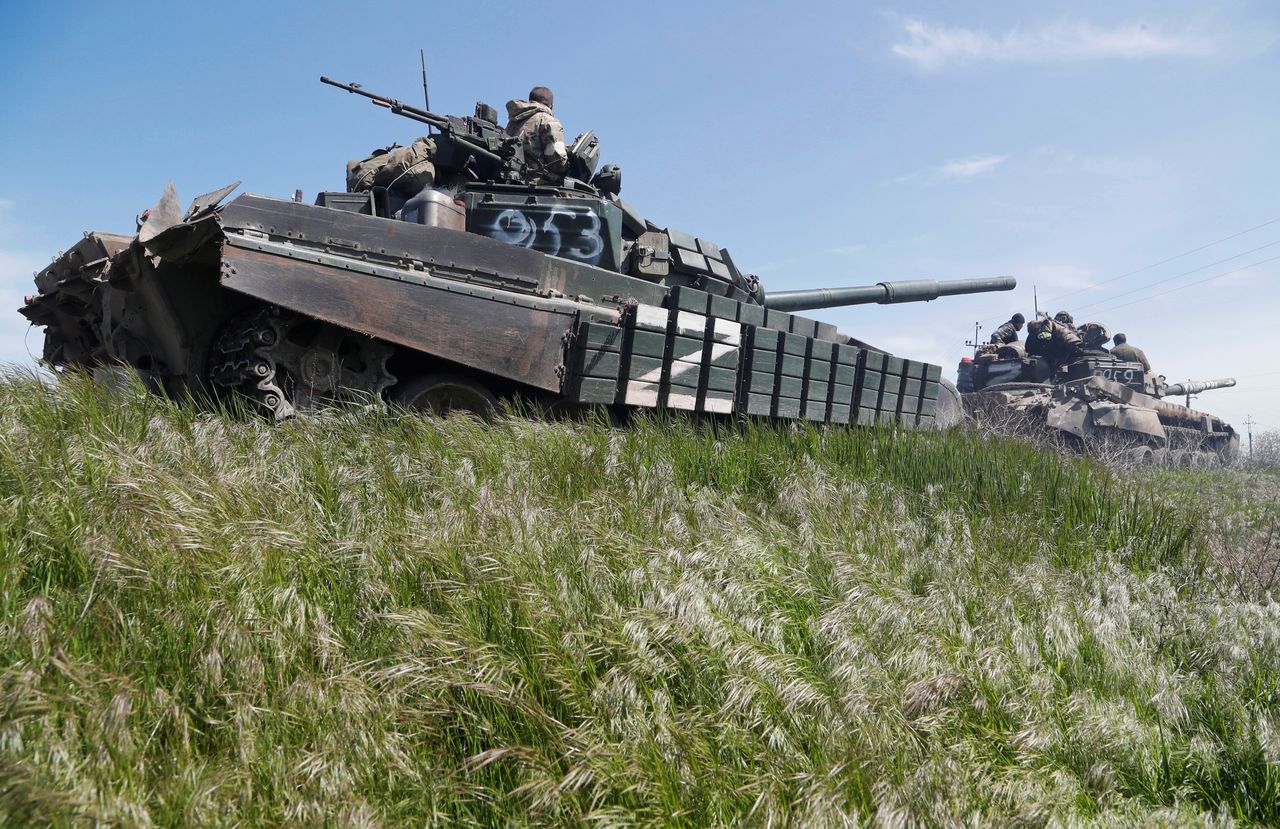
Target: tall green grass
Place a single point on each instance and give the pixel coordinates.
(370, 619)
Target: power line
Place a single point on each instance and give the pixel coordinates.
(1163, 261)
(1166, 260)
(1188, 285)
(1179, 276)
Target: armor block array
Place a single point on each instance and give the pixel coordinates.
(708, 354)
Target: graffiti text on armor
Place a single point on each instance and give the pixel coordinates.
(559, 230)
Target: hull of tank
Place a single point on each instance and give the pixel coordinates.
(290, 303)
(1105, 417)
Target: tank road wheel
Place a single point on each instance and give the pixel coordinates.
(442, 394)
(950, 410)
(1140, 456)
(324, 364)
(290, 363)
(1203, 459)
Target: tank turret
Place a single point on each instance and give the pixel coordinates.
(884, 293)
(1196, 386)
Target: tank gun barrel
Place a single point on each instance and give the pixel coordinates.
(1197, 386)
(884, 293)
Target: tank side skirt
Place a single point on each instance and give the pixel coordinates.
(416, 274)
(518, 342)
(466, 256)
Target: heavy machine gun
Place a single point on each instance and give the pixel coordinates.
(476, 148)
(476, 141)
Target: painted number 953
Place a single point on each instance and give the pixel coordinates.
(1120, 375)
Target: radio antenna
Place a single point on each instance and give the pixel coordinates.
(426, 96)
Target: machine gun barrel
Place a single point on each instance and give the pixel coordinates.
(440, 122)
(1197, 386)
(907, 290)
(398, 107)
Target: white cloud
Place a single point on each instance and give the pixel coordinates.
(932, 46)
(960, 169)
(970, 167)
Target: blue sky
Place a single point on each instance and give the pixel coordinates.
(1075, 146)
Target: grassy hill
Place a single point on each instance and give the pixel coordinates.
(369, 620)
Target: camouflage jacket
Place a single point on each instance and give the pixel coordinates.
(1131, 354)
(1050, 338)
(544, 149)
(1005, 334)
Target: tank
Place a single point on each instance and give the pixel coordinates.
(1075, 390)
(452, 282)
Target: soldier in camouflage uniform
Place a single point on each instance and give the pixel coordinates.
(544, 149)
(1129, 353)
(1056, 341)
(1008, 333)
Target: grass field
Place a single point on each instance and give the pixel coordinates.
(369, 620)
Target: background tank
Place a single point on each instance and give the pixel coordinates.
(1097, 402)
(475, 287)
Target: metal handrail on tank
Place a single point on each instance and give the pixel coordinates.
(884, 293)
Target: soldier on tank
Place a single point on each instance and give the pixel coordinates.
(1054, 340)
(1008, 333)
(1094, 336)
(1129, 353)
(542, 134)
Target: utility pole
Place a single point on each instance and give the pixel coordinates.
(976, 328)
(1248, 422)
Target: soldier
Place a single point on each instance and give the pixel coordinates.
(1058, 342)
(1064, 318)
(544, 149)
(1094, 336)
(1129, 353)
(1008, 333)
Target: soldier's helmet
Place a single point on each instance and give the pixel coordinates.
(1018, 320)
(1064, 318)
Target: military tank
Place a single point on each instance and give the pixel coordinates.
(1064, 383)
(442, 279)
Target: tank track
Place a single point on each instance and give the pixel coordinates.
(288, 363)
(1192, 447)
